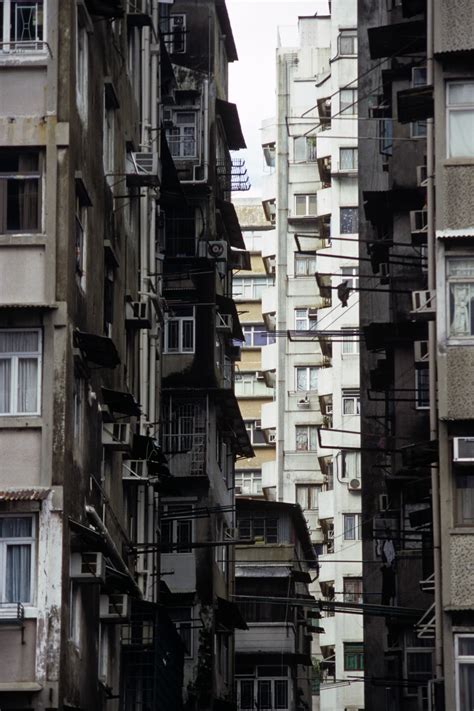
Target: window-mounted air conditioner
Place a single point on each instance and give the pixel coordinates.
(116, 435)
(115, 607)
(418, 221)
(421, 175)
(137, 314)
(423, 304)
(463, 449)
(88, 567)
(224, 322)
(134, 469)
(354, 485)
(142, 169)
(304, 403)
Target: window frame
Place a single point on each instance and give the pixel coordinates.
(458, 338)
(356, 528)
(311, 435)
(352, 595)
(460, 659)
(14, 372)
(350, 396)
(184, 626)
(306, 319)
(260, 521)
(309, 262)
(308, 198)
(347, 34)
(250, 378)
(172, 526)
(250, 283)
(450, 109)
(182, 147)
(24, 176)
(307, 370)
(19, 541)
(351, 108)
(311, 494)
(9, 46)
(254, 328)
(355, 649)
(309, 145)
(181, 321)
(354, 222)
(354, 151)
(255, 484)
(349, 340)
(251, 427)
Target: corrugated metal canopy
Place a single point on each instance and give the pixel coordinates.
(460, 233)
(12, 494)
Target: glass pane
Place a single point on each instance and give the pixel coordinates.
(461, 132)
(264, 694)
(465, 498)
(5, 385)
(466, 687)
(461, 311)
(299, 145)
(22, 205)
(301, 379)
(461, 93)
(300, 204)
(246, 694)
(18, 573)
(302, 496)
(313, 438)
(346, 45)
(313, 378)
(311, 204)
(16, 527)
(173, 335)
(313, 497)
(27, 397)
(349, 527)
(16, 342)
(281, 694)
(301, 439)
(466, 646)
(188, 335)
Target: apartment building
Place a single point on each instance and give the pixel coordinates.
(251, 387)
(273, 657)
(416, 58)
(312, 197)
(79, 173)
(202, 430)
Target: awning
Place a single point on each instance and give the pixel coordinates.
(226, 305)
(97, 349)
(461, 233)
(231, 223)
(233, 419)
(397, 39)
(262, 571)
(240, 259)
(26, 687)
(171, 190)
(12, 494)
(226, 31)
(118, 401)
(378, 204)
(324, 285)
(415, 104)
(379, 336)
(231, 121)
(86, 538)
(421, 517)
(301, 576)
(228, 615)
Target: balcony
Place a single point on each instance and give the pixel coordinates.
(187, 454)
(269, 354)
(266, 637)
(269, 415)
(326, 504)
(324, 202)
(269, 474)
(269, 305)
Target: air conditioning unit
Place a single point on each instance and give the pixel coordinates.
(259, 375)
(142, 169)
(137, 314)
(421, 175)
(304, 403)
(88, 567)
(354, 485)
(272, 438)
(463, 450)
(421, 351)
(424, 304)
(134, 469)
(217, 250)
(418, 221)
(117, 435)
(224, 322)
(115, 607)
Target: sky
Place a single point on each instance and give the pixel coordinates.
(255, 25)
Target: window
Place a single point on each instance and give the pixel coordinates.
(418, 661)
(348, 158)
(21, 25)
(180, 330)
(460, 118)
(348, 101)
(464, 482)
(353, 656)
(257, 336)
(350, 402)
(262, 694)
(351, 275)
(255, 431)
(306, 438)
(176, 37)
(82, 64)
(182, 618)
(347, 42)
(306, 377)
(350, 344)
(269, 152)
(17, 536)
(176, 527)
(349, 220)
(353, 590)
(253, 241)
(182, 135)
(305, 319)
(250, 288)
(259, 527)
(249, 482)
(352, 527)
(304, 149)
(418, 129)
(251, 385)
(305, 265)
(80, 242)
(305, 205)
(20, 372)
(422, 384)
(464, 666)
(20, 191)
(109, 280)
(460, 276)
(307, 496)
(350, 464)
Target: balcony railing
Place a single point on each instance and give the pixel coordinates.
(186, 453)
(11, 613)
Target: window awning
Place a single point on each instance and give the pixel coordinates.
(324, 285)
(13, 494)
(231, 223)
(97, 349)
(240, 259)
(397, 39)
(227, 305)
(380, 336)
(171, 190)
(226, 30)
(122, 402)
(461, 233)
(228, 615)
(231, 121)
(301, 576)
(233, 419)
(27, 687)
(105, 8)
(415, 104)
(378, 204)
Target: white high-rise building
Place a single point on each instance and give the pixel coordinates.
(310, 193)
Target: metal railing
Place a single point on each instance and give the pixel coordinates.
(11, 613)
